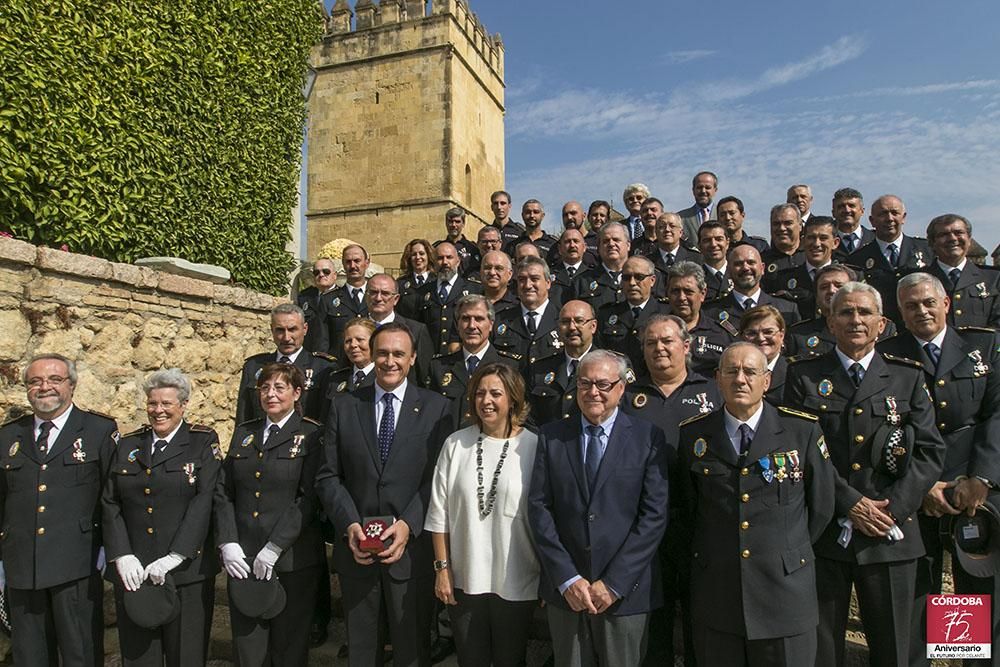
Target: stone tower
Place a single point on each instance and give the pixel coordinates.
(405, 121)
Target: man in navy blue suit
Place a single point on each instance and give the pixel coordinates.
(597, 510)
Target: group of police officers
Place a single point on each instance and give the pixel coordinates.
(886, 363)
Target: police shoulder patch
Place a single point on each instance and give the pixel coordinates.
(977, 329)
(691, 420)
(509, 355)
(798, 413)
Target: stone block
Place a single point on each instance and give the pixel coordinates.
(185, 286)
(136, 276)
(189, 356)
(63, 341)
(19, 252)
(112, 346)
(148, 355)
(158, 328)
(83, 266)
(16, 333)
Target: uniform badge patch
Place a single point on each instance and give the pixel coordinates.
(216, 451)
(247, 441)
(14, 449)
(723, 316)
(446, 379)
(613, 320)
(812, 341)
(406, 284)
(342, 386)
(639, 401)
(825, 388)
(593, 285)
(629, 376)
(116, 436)
(501, 329)
(870, 263)
(792, 283)
(700, 447)
(336, 301)
(133, 455)
(549, 377)
(771, 268)
(821, 443)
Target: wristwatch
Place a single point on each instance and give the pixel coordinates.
(987, 482)
(441, 565)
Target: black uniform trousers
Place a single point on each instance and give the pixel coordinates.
(713, 647)
(64, 622)
(377, 602)
(181, 642)
(490, 630)
(282, 641)
(885, 596)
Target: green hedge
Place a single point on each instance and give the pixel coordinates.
(173, 127)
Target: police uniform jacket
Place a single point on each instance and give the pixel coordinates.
(709, 339)
(410, 298)
(561, 276)
(438, 316)
(698, 395)
(681, 254)
(840, 253)
(152, 509)
(597, 287)
(796, 285)
(776, 390)
(551, 392)
(267, 493)
(849, 418)
(618, 328)
(753, 572)
(342, 382)
(914, 255)
(511, 334)
(757, 242)
(975, 302)
(449, 376)
(468, 254)
(734, 311)
(554, 258)
(965, 386)
(717, 285)
(642, 246)
(50, 505)
(314, 308)
(544, 243)
(340, 309)
(811, 338)
(777, 261)
(509, 232)
(315, 366)
(506, 302)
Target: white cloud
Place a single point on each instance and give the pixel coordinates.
(681, 57)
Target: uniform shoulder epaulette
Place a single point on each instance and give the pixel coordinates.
(324, 355)
(101, 414)
(201, 428)
(887, 338)
(510, 355)
(663, 299)
(14, 418)
(978, 329)
(799, 360)
(903, 360)
(138, 431)
(249, 421)
(440, 355)
(802, 323)
(798, 413)
(691, 420)
(310, 420)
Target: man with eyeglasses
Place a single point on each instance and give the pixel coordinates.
(597, 509)
(686, 291)
(314, 300)
(382, 298)
(878, 422)
(497, 272)
(620, 322)
(633, 197)
(551, 386)
(602, 283)
(666, 395)
(288, 331)
(530, 329)
(974, 291)
(54, 465)
(756, 489)
(437, 310)
(348, 300)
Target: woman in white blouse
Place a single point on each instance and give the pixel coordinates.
(485, 564)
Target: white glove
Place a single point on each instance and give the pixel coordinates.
(263, 564)
(234, 560)
(130, 571)
(3, 577)
(102, 561)
(157, 570)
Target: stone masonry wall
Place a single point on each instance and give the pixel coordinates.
(120, 322)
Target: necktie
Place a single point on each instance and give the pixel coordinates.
(386, 428)
(356, 297)
(705, 213)
(593, 462)
(746, 437)
(847, 240)
(616, 276)
(272, 431)
(668, 259)
(359, 377)
(934, 352)
(43, 437)
(893, 255)
(471, 364)
(571, 368)
(530, 323)
(637, 229)
(812, 275)
(748, 304)
(857, 374)
(419, 279)
(954, 274)
(158, 448)
(284, 360)
(635, 312)
(570, 271)
(443, 292)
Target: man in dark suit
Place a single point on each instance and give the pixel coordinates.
(633, 197)
(848, 210)
(449, 374)
(798, 283)
(597, 509)
(313, 302)
(529, 330)
(713, 243)
(801, 197)
(962, 370)
(751, 508)
(704, 186)
(468, 253)
(878, 423)
(381, 445)
(619, 323)
(348, 300)
(288, 330)
(382, 297)
(746, 270)
(437, 310)
(573, 219)
(573, 258)
(55, 462)
(974, 290)
(730, 213)
(709, 335)
(601, 283)
(509, 229)
(668, 250)
(784, 251)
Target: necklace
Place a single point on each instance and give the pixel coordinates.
(486, 504)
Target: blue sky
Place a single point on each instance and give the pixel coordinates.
(887, 97)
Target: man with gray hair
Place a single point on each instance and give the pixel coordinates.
(704, 187)
(288, 331)
(53, 469)
(529, 330)
(974, 290)
(961, 369)
(602, 283)
(468, 253)
(633, 197)
(686, 291)
(598, 521)
(878, 426)
(801, 197)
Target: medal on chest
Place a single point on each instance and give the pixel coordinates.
(765, 469)
(893, 416)
(189, 471)
(78, 454)
(793, 459)
(779, 461)
(296, 447)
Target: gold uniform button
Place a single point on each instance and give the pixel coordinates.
(744, 525)
(942, 426)
(147, 491)
(257, 474)
(569, 397)
(149, 471)
(802, 561)
(940, 383)
(256, 494)
(256, 514)
(943, 404)
(260, 455)
(859, 411)
(855, 466)
(45, 466)
(41, 531)
(704, 471)
(149, 510)
(42, 488)
(859, 438)
(745, 497)
(958, 311)
(745, 471)
(746, 553)
(823, 407)
(41, 508)
(149, 530)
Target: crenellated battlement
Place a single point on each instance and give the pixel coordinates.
(369, 17)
